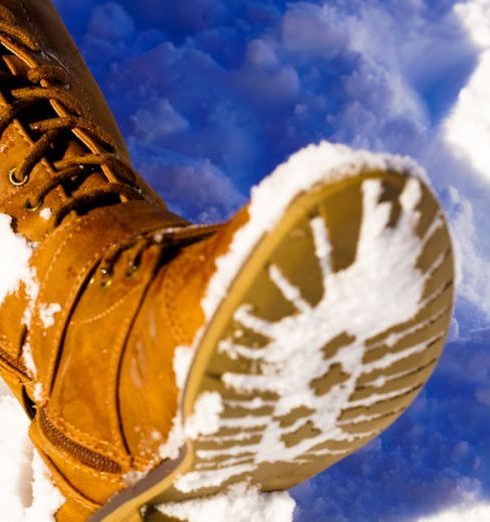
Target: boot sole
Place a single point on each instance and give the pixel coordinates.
(281, 386)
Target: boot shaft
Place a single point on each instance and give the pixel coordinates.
(40, 20)
(54, 121)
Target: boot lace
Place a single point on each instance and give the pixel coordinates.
(43, 85)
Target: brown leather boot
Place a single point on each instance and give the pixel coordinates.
(161, 360)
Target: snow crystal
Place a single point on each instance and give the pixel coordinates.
(205, 420)
(47, 499)
(176, 438)
(182, 362)
(47, 313)
(240, 503)
(133, 477)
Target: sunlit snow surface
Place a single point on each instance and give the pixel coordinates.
(467, 128)
(470, 513)
(239, 503)
(26, 492)
(15, 270)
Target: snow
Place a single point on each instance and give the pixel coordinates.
(45, 213)
(26, 493)
(14, 267)
(467, 129)
(46, 498)
(29, 359)
(240, 503)
(133, 477)
(175, 439)
(473, 513)
(182, 361)
(206, 417)
(325, 161)
(38, 392)
(384, 272)
(47, 313)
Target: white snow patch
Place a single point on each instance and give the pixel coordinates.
(26, 493)
(475, 513)
(15, 270)
(133, 477)
(205, 420)
(175, 439)
(47, 313)
(240, 503)
(47, 499)
(29, 359)
(182, 362)
(467, 129)
(38, 392)
(45, 213)
(206, 417)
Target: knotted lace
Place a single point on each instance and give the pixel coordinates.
(50, 83)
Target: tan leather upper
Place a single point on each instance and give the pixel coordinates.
(122, 286)
(44, 23)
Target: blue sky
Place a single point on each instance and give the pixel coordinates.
(212, 94)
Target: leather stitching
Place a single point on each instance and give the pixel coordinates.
(109, 310)
(169, 291)
(100, 475)
(85, 439)
(116, 356)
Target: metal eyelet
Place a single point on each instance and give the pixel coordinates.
(32, 208)
(132, 269)
(106, 282)
(14, 181)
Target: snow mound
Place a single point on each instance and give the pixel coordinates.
(26, 493)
